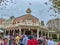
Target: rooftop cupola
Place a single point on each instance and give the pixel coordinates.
(28, 10)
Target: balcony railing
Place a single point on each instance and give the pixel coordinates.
(18, 24)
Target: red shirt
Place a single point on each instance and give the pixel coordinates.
(33, 42)
(58, 43)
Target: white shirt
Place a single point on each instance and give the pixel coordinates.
(50, 42)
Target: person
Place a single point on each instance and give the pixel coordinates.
(21, 43)
(1, 41)
(30, 42)
(33, 41)
(41, 38)
(11, 40)
(44, 40)
(59, 43)
(40, 42)
(48, 41)
(18, 38)
(25, 40)
(14, 43)
(51, 42)
(47, 37)
(6, 36)
(5, 41)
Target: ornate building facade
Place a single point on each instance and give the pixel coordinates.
(1, 22)
(54, 26)
(26, 24)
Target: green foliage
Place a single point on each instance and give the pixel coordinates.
(12, 17)
(56, 4)
(1, 1)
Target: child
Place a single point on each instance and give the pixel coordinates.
(5, 41)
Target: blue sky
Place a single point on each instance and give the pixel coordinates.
(38, 7)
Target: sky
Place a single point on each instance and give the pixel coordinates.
(18, 8)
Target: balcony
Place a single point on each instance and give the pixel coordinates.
(26, 24)
(20, 24)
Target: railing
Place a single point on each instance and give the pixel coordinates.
(26, 24)
(18, 24)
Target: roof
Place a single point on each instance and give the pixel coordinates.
(27, 16)
(53, 20)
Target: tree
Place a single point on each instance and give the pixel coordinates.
(56, 5)
(1, 1)
(12, 17)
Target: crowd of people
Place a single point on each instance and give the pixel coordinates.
(26, 40)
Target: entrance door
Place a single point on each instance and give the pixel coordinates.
(28, 32)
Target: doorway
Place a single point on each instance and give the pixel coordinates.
(28, 32)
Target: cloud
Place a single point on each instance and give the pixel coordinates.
(39, 9)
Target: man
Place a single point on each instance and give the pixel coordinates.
(11, 40)
(33, 41)
(50, 42)
(25, 40)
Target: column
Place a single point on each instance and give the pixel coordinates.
(31, 32)
(24, 31)
(45, 33)
(9, 32)
(41, 33)
(19, 31)
(5, 32)
(48, 34)
(38, 33)
(13, 31)
(57, 35)
(51, 35)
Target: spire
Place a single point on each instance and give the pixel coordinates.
(28, 10)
